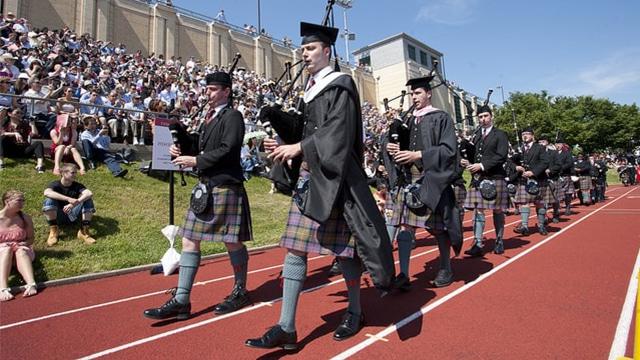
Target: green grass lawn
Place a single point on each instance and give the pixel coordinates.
(130, 214)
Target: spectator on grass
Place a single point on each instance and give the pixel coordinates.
(16, 140)
(96, 143)
(66, 201)
(16, 240)
(63, 145)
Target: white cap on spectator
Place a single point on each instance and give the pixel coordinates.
(7, 56)
(10, 15)
(87, 83)
(23, 76)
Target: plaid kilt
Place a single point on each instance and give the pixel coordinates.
(460, 191)
(333, 237)
(227, 220)
(475, 200)
(544, 197)
(585, 183)
(422, 218)
(566, 185)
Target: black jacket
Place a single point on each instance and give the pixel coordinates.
(218, 148)
(491, 152)
(534, 160)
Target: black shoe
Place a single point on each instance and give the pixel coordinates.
(121, 173)
(499, 248)
(475, 251)
(171, 309)
(349, 326)
(238, 299)
(402, 283)
(335, 268)
(543, 231)
(444, 278)
(524, 231)
(556, 219)
(275, 337)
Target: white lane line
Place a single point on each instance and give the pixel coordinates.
(426, 309)
(96, 306)
(239, 312)
(619, 345)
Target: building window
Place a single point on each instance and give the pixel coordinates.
(456, 106)
(424, 59)
(412, 52)
(365, 61)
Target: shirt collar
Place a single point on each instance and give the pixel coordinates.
(322, 73)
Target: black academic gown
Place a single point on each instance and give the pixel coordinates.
(332, 147)
(440, 164)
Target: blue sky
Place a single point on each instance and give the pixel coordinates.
(567, 47)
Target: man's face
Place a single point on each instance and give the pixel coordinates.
(70, 174)
(421, 97)
(543, 142)
(527, 137)
(485, 119)
(315, 56)
(217, 94)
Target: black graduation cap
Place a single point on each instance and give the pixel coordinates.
(218, 78)
(559, 139)
(421, 82)
(484, 109)
(314, 32)
(543, 137)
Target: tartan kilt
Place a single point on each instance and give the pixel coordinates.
(544, 197)
(585, 183)
(227, 220)
(333, 237)
(422, 218)
(460, 192)
(566, 185)
(475, 200)
(555, 186)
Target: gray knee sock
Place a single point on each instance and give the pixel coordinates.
(404, 250)
(524, 213)
(294, 273)
(444, 245)
(351, 271)
(189, 262)
(478, 227)
(542, 217)
(239, 260)
(498, 223)
(391, 230)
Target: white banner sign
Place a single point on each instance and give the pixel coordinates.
(160, 158)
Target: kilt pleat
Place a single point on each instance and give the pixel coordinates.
(422, 218)
(585, 183)
(227, 220)
(475, 199)
(544, 197)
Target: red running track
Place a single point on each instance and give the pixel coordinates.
(558, 296)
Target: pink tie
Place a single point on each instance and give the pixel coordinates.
(311, 83)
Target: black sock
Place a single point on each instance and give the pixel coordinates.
(53, 222)
(86, 222)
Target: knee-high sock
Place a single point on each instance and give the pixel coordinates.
(556, 209)
(542, 216)
(567, 201)
(405, 239)
(351, 271)
(524, 214)
(498, 223)
(391, 230)
(478, 226)
(239, 261)
(189, 262)
(444, 246)
(294, 273)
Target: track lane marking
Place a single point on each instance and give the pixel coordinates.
(426, 309)
(619, 344)
(137, 297)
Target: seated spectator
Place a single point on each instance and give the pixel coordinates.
(96, 143)
(16, 240)
(63, 143)
(6, 102)
(135, 120)
(16, 140)
(248, 158)
(93, 98)
(39, 109)
(66, 201)
(65, 104)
